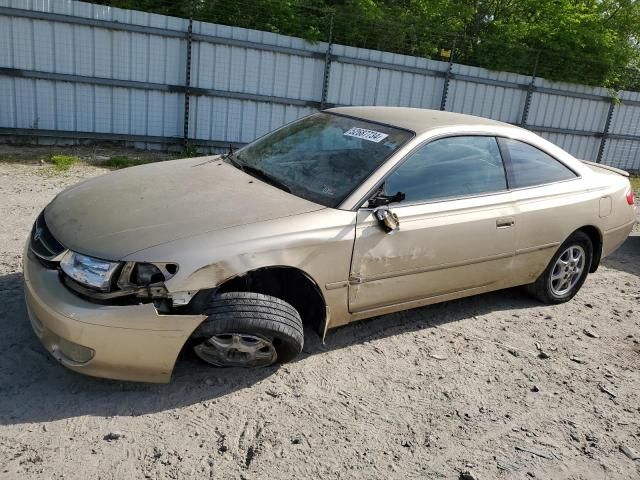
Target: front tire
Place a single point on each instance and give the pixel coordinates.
(246, 329)
(566, 272)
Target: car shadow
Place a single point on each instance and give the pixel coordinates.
(627, 257)
(35, 388)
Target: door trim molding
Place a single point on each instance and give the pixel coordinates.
(433, 268)
(422, 301)
(523, 251)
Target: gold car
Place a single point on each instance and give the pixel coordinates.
(342, 215)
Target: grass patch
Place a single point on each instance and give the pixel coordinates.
(191, 151)
(635, 183)
(122, 161)
(63, 163)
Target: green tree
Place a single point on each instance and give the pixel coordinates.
(585, 41)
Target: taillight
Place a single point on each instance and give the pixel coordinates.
(630, 198)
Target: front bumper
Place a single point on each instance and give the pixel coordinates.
(128, 342)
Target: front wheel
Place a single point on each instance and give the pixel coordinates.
(566, 272)
(248, 330)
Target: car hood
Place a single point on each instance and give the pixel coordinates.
(120, 213)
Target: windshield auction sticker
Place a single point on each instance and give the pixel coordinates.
(365, 134)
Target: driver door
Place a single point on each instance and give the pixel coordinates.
(457, 228)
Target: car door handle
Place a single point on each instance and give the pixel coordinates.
(505, 222)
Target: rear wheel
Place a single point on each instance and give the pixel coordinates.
(566, 272)
(248, 330)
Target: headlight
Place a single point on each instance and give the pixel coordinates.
(89, 271)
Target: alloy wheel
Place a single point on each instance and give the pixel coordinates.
(237, 350)
(567, 271)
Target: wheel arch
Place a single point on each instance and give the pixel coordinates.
(291, 284)
(595, 236)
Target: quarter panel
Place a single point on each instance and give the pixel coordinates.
(546, 216)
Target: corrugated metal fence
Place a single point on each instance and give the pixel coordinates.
(72, 70)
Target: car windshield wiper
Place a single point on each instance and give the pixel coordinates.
(233, 161)
(256, 172)
(262, 175)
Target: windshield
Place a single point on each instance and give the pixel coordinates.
(321, 158)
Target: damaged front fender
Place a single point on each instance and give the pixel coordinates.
(318, 243)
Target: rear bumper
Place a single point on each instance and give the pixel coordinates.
(612, 239)
(120, 342)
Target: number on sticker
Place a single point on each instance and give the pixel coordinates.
(365, 134)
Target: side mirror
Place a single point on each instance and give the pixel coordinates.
(388, 220)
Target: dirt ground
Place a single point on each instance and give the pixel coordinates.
(93, 154)
(427, 393)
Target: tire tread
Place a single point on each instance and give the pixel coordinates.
(254, 312)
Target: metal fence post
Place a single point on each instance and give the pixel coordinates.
(327, 66)
(187, 84)
(447, 78)
(605, 132)
(530, 89)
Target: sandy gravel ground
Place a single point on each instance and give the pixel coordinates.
(427, 393)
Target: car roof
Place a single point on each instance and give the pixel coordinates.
(418, 120)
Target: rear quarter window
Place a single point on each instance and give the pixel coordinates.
(531, 166)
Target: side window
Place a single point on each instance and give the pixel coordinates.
(449, 167)
(530, 166)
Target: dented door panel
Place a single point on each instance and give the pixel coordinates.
(440, 248)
